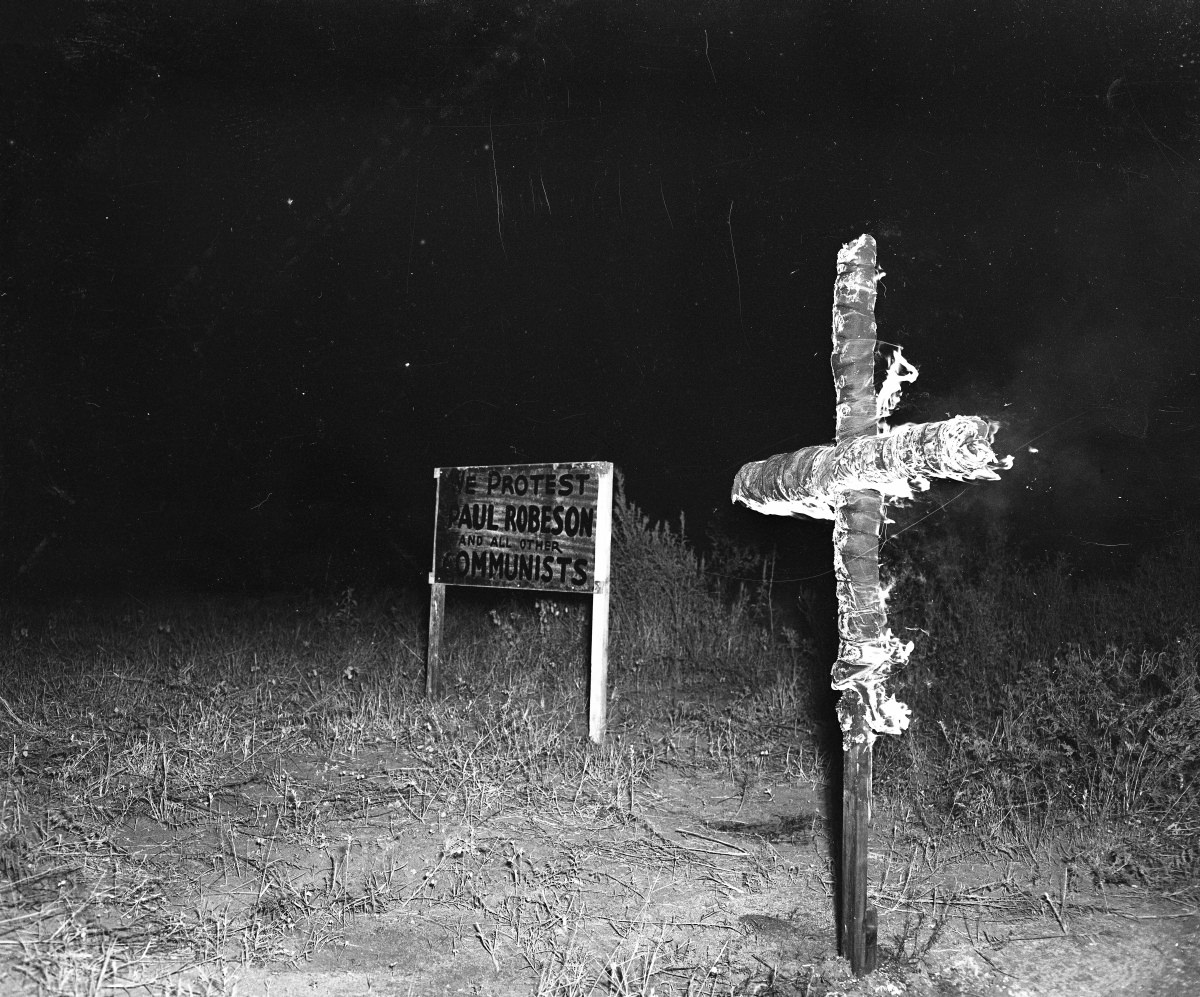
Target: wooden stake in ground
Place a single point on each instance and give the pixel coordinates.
(849, 483)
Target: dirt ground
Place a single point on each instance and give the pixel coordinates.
(688, 884)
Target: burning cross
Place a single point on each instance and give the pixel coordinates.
(849, 483)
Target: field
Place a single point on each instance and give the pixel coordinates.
(253, 796)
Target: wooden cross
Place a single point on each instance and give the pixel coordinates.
(849, 483)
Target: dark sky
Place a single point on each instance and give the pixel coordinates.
(264, 265)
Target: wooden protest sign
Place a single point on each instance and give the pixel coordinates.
(849, 482)
(546, 527)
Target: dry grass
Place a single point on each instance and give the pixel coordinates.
(191, 790)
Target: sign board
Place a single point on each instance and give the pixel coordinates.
(545, 527)
(529, 526)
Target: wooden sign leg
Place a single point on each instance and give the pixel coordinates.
(598, 684)
(598, 688)
(859, 920)
(433, 654)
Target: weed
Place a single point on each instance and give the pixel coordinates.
(189, 790)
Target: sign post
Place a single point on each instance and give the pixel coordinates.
(849, 483)
(545, 527)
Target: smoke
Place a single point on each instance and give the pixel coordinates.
(1100, 412)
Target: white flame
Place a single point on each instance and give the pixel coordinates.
(899, 373)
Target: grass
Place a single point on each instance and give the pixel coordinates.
(1065, 708)
(196, 791)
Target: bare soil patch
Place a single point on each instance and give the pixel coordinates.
(694, 883)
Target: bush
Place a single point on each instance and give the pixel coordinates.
(1049, 705)
(668, 615)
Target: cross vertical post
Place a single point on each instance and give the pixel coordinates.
(849, 482)
(861, 618)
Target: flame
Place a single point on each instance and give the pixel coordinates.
(899, 373)
(864, 667)
(885, 591)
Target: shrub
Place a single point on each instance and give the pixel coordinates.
(1050, 705)
(668, 614)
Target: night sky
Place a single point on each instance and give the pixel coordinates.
(264, 265)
